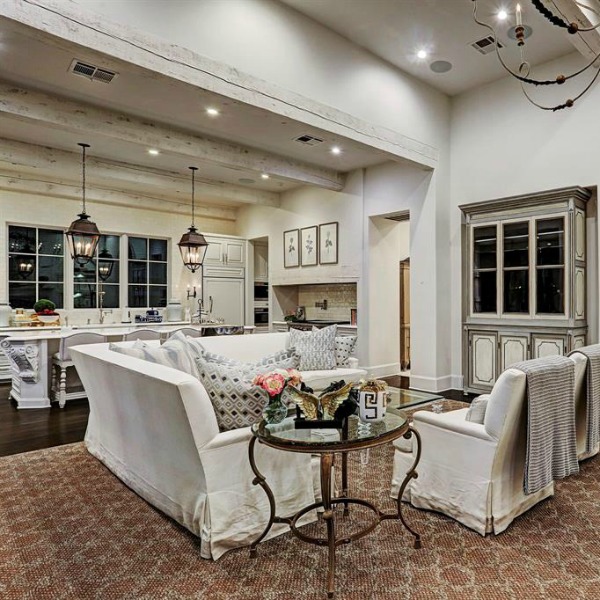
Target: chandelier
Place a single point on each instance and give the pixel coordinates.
(192, 244)
(82, 234)
(549, 10)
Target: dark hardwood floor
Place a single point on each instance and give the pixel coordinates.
(34, 429)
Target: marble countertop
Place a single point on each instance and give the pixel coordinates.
(109, 329)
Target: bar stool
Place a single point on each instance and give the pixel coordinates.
(61, 361)
(189, 331)
(142, 334)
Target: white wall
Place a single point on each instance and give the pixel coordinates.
(393, 187)
(303, 207)
(32, 210)
(502, 146)
(269, 40)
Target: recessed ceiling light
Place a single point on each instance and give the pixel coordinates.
(422, 54)
(502, 15)
(336, 150)
(153, 151)
(265, 176)
(212, 112)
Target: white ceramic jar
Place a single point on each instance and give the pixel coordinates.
(5, 315)
(371, 405)
(174, 310)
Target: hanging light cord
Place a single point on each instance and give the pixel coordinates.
(193, 169)
(83, 147)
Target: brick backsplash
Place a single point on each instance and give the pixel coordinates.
(341, 297)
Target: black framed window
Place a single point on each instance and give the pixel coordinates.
(147, 272)
(98, 276)
(35, 266)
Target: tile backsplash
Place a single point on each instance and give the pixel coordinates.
(341, 297)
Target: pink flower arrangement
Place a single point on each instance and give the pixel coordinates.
(275, 381)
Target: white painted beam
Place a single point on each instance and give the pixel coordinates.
(70, 22)
(67, 115)
(50, 163)
(94, 194)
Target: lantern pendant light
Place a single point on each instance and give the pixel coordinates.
(82, 235)
(192, 244)
(105, 264)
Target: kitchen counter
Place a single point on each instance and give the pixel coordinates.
(343, 328)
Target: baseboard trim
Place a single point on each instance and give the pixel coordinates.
(383, 370)
(436, 384)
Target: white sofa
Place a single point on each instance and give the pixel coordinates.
(155, 428)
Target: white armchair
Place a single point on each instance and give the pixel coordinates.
(473, 472)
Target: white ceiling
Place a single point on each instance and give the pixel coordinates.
(43, 65)
(396, 29)
(391, 29)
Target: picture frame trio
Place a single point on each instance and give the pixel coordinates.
(311, 246)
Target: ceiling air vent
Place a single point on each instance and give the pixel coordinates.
(92, 72)
(485, 45)
(308, 140)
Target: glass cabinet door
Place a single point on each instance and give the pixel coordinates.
(550, 266)
(485, 258)
(515, 237)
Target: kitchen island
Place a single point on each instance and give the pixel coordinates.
(27, 353)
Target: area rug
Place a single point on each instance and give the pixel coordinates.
(70, 529)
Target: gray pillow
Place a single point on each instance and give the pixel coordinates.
(476, 412)
(237, 403)
(316, 348)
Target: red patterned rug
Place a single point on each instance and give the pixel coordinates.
(70, 529)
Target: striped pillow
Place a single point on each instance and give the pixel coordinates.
(174, 353)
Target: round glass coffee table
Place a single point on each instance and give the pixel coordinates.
(327, 443)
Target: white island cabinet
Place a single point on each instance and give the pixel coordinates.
(29, 354)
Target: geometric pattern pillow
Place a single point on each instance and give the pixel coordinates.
(237, 403)
(344, 346)
(282, 359)
(316, 348)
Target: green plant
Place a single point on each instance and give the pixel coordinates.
(44, 306)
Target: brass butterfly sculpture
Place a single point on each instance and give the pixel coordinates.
(324, 407)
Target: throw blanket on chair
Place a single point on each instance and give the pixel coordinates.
(551, 442)
(593, 395)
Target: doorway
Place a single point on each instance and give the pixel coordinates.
(405, 316)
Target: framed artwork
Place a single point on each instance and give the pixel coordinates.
(291, 249)
(328, 244)
(309, 246)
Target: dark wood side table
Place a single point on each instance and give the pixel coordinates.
(284, 436)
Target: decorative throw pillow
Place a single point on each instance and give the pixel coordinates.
(476, 412)
(344, 346)
(174, 353)
(316, 348)
(237, 403)
(282, 359)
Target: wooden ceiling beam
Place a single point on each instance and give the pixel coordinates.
(47, 163)
(67, 115)
(26, 184)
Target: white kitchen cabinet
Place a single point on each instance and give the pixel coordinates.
(524, 275)
(225, 252)
(228, 300)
